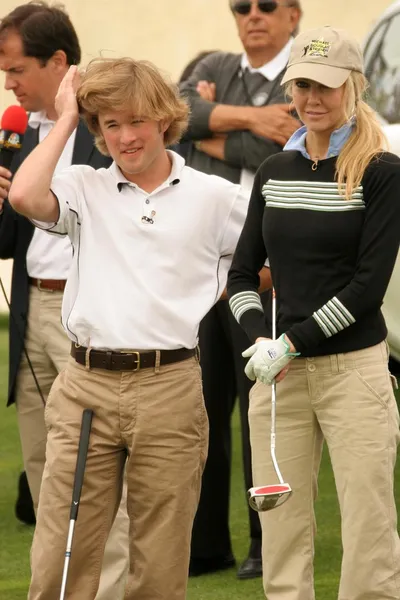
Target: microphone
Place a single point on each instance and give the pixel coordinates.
(13, 126)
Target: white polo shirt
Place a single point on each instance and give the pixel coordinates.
(146, 267)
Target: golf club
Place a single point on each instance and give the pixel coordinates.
(267, 497)
(87, 417)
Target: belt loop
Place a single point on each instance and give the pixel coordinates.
(334, 363)
(157, 362)
(197, 353)
(87, 358)
(385, 351)
(341, 363)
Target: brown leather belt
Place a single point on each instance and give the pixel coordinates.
(129, 361)
(50, 285)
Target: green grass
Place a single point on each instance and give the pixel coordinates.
(15, 538)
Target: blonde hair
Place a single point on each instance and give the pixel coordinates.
(367, 140)
(365, 143)
(110, 84)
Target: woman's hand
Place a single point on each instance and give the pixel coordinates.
(267, 359)
(282, 374)
(292, 349)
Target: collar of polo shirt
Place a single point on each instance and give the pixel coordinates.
(174, 177)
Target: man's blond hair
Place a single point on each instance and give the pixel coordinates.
(110, 84)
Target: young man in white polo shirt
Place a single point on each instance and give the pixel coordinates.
(153, 240)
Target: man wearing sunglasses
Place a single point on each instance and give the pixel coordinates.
(239, 117)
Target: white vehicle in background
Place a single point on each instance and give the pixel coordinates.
(382, 64)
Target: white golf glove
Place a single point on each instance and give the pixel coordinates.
(268, 358)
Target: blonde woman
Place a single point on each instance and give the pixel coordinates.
(326, 212)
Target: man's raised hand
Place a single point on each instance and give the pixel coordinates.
(65, 103)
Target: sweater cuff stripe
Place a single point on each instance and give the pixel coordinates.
(342, 311)
(333, 317)
(244, 301)
(324, 324)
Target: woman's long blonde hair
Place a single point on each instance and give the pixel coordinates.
(366, 141)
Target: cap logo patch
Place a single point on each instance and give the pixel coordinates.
(317, 48)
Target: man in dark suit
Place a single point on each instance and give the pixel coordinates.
(38, 43)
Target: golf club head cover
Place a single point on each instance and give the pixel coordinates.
(267, 359)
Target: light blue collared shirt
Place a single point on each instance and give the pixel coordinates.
(338, 139)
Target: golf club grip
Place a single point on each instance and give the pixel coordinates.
(87, 417)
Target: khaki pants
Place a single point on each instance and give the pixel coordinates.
(48, 348)
(156, 417)
(346, 399)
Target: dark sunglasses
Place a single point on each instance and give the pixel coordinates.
(265, 6)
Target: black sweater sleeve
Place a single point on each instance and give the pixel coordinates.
(378, 248)
(249, 258)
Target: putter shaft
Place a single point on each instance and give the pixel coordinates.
(67, 558)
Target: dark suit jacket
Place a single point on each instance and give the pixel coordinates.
(15, 236)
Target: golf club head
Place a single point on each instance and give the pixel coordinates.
(268, 497)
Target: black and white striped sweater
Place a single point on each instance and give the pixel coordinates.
(331, 258)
